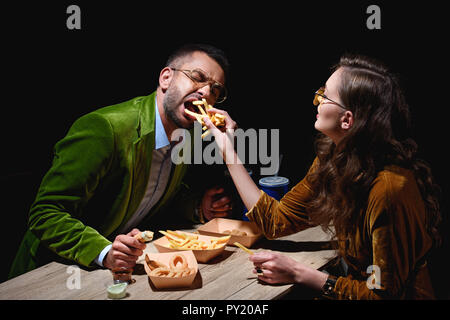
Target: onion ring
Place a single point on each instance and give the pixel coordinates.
(178, 258)
(174, 270)
(160, 272)
(177, 274)
(153, 264)
(188, 272)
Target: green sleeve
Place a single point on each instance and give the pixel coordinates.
(80, 161)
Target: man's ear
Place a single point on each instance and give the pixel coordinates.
(347, 120)
(165, 77)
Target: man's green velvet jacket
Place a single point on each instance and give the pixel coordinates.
(97, 179)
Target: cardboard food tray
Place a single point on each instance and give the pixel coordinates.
(217, 226)
(166, 282)
(202, 256)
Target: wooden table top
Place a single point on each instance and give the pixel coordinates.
(226, 277)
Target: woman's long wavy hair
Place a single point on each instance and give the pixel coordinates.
(380, 136)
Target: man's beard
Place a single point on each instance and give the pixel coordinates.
(171, 101)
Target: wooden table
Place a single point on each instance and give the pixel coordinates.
(227, 277)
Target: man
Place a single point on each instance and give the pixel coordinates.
(112, 172)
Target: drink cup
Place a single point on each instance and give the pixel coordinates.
(274, 186)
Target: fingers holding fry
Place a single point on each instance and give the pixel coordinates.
(224, 117)
(210, 118)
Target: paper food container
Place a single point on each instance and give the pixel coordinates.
(166, 282)
(202, 256)
(217, 226)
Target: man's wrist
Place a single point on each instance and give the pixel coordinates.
(102, 255)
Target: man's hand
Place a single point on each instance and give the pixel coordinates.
(124, 252)
(216, 204)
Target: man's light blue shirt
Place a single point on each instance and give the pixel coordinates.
(161, 139)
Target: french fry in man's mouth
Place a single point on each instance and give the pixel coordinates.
(217, 119)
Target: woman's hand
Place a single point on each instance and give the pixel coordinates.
(224, 135)
(280, 269)
(230, 124)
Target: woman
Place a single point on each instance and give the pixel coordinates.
(365, 182)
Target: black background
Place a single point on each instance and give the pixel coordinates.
(280, 53)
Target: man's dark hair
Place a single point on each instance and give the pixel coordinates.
(215, 53)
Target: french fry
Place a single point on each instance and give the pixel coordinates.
(217, 119)
(176, 234)
(243, 247)
(223, 239)
(202, 111)
(174, 243)
(192, 237)
(196, 115)
(182, 241)
(204, 134)
(169, 236)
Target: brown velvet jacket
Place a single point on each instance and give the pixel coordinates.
(391, 236)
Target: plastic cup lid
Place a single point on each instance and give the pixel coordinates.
(273, 181)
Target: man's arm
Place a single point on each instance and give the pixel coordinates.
(80, 161)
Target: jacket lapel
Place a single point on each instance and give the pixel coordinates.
(142, 152)
(141, 157)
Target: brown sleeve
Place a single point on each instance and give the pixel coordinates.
(284, 217)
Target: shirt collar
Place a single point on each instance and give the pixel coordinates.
(161, 139)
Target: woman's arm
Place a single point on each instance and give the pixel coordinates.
(274, 218)
(247, 189)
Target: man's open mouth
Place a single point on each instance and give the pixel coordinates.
(188, 105)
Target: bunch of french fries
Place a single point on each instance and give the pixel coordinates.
(183, 241)
(217, 119)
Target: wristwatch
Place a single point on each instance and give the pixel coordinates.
(328, 287)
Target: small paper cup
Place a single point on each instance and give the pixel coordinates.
(202, 256)
(166, 282)
(217, 226)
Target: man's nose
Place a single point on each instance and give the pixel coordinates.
(205, 90)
